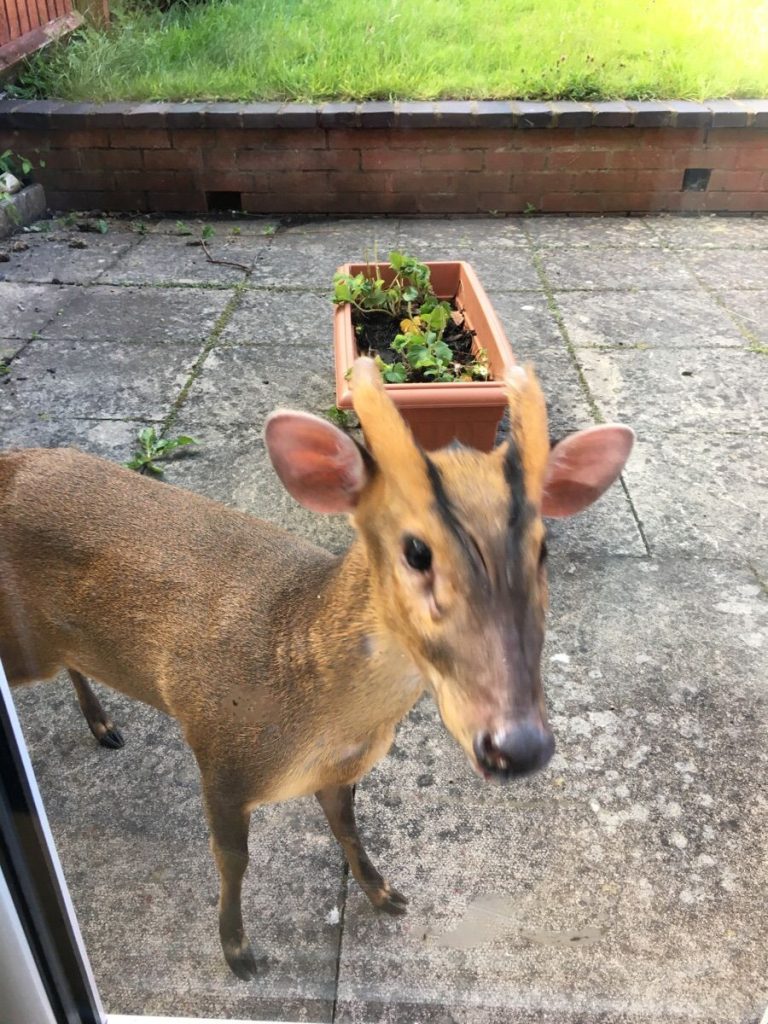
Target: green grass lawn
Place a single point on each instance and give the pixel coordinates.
(314, 50)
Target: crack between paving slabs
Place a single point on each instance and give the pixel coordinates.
(583, 383)
(224, 318)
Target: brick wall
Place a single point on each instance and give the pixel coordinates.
(398, 159)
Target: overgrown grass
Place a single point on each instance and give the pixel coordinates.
(419, 49)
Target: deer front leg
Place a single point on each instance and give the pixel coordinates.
(338, 804)
(99, 722)
(229, 843)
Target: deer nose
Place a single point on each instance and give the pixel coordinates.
(518, 750)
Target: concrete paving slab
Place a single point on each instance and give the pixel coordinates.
(243, 384)
(9, 347)
(367, 236)
(50, 259)
(729, 270)
(591, 232)
(702, 494)
(281, 319)
(171, 261)
(693, 389)
(28, 308)
(750, 311)
(623, 884)
(130, 830)
(462, 235)
(71, 378)
(231, 465)
(662, 318)
(593, 269)
(309, 260)
(641, 842)
(126, 314)
(711, 232)
(497, 249)
(110, 438)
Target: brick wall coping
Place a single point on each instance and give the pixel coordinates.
(485, 114)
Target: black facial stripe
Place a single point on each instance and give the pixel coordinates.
(520, 513)
(513, 474)
(447, 514)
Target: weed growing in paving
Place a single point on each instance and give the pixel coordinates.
(154, 447)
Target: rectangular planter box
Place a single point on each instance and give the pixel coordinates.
(438, 414)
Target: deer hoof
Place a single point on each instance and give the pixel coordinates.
(243, 962)
(112, 738)
(390, 900)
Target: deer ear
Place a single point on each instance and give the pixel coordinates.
(319, 465)
(581, 467)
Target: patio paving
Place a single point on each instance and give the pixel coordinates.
(627, 883)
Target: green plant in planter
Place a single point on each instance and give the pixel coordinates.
(421, 346)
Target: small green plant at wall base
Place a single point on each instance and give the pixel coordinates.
(207, 232)
(19, 166)
(154, 447)
(182, 228)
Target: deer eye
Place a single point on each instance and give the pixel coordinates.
(417, 554)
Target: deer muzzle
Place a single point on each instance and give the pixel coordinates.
(517, 749)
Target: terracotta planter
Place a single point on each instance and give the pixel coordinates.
(438, 414)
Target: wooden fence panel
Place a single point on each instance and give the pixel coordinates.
(18, 17)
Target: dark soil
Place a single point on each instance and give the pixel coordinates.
(380, 329)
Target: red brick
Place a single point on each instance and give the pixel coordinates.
(311, 182)
(402, 203)
(234, 181)
(373, 181)
(143, 138)
(176, 202)
(669, 138)
(648, 157)
(91, 138)
(740, 138)
(219, 159)
(115, 159)
(197, 138)
(754, 159)
(279, 138)
(465, 202)
(515, 160)
(28, 141)
(504, 202)
(735, 181)
(659, 181)
(533, 183)
(173, 159)
(571, 202)
(78, 181)
(428, 183)
(461, 160)
(126, 202)
(390, 160)
(64, 159)
(68, 199)
(603, 181)
(578, 160)
(704, 156)
(739, 202)
(152, 181)
(429, 139)
(299, 160)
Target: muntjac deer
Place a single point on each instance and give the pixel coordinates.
(286, 667)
